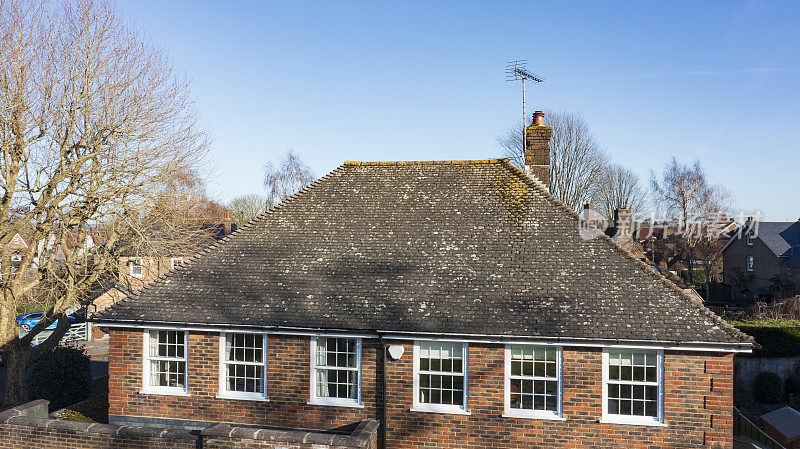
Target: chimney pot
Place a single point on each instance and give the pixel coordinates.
(227, 223)
(538, 118)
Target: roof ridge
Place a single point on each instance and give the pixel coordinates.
(733, 331)
(443, 162)
(163, 278)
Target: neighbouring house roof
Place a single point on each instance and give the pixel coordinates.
(781, 237)
(458, 248)
(785, 420)
(177, 241)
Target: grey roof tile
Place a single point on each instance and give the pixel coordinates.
(470, 247)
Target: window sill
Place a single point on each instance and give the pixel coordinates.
(633, 422)
(335, 403)
(235, 397)
(179, 392)
(532, 415)
(446, 411)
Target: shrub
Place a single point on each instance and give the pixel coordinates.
(767, 387)
(63, 376)
(794, 402)
(793, 385)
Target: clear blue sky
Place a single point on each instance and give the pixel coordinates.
(718, 81)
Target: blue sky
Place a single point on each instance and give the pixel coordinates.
(718, 81)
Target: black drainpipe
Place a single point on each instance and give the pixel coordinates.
(383, 392)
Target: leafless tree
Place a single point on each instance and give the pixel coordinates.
(692, 202)
(94, 126)
(576, 159)
(286, 178)
(247, 207)
(618, 187)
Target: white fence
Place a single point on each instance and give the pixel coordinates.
(76, 332)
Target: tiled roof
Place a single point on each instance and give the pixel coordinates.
(457, 247)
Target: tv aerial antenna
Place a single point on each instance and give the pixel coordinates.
(518, 71)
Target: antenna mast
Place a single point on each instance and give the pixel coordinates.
(518, 71)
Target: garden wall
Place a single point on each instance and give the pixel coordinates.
(747, 368)
(27, 426)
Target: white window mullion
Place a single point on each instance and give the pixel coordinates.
(441, 377)
(532, 386)
(244, 353)
(165, 362)
(633, 386)
(335, 371)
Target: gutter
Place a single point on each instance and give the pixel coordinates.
(407, 335)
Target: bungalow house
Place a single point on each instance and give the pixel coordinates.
(455, 302)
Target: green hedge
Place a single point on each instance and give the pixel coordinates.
(777, 338)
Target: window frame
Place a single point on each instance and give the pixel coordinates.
(418, 406)
(658, 421)
(748, 239)
(335, 402)
(510, 412)
(132, 263)
(172, 263)
(223, 392)
(147, 358)
(749, 263)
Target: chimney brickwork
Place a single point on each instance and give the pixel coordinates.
(537, 149)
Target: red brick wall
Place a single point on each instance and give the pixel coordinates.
(698, 398)
(287, 385)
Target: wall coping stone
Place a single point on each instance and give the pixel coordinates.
(26, 415)
(34, 414)
(358, 438)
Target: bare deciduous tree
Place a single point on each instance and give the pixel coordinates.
(684, 192)
(618, 187)
(247, 207)
(576, 159)
(93, 126)
(287, 178)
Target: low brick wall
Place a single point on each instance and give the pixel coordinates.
(28, 426)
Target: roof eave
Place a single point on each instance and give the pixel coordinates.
(485, 338)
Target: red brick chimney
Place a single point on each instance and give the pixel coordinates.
(537, 150)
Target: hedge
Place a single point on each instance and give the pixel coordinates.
(63, 376)
(777, 338)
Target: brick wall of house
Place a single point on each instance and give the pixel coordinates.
(765, 265)
(698, 398)
(288, 373)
